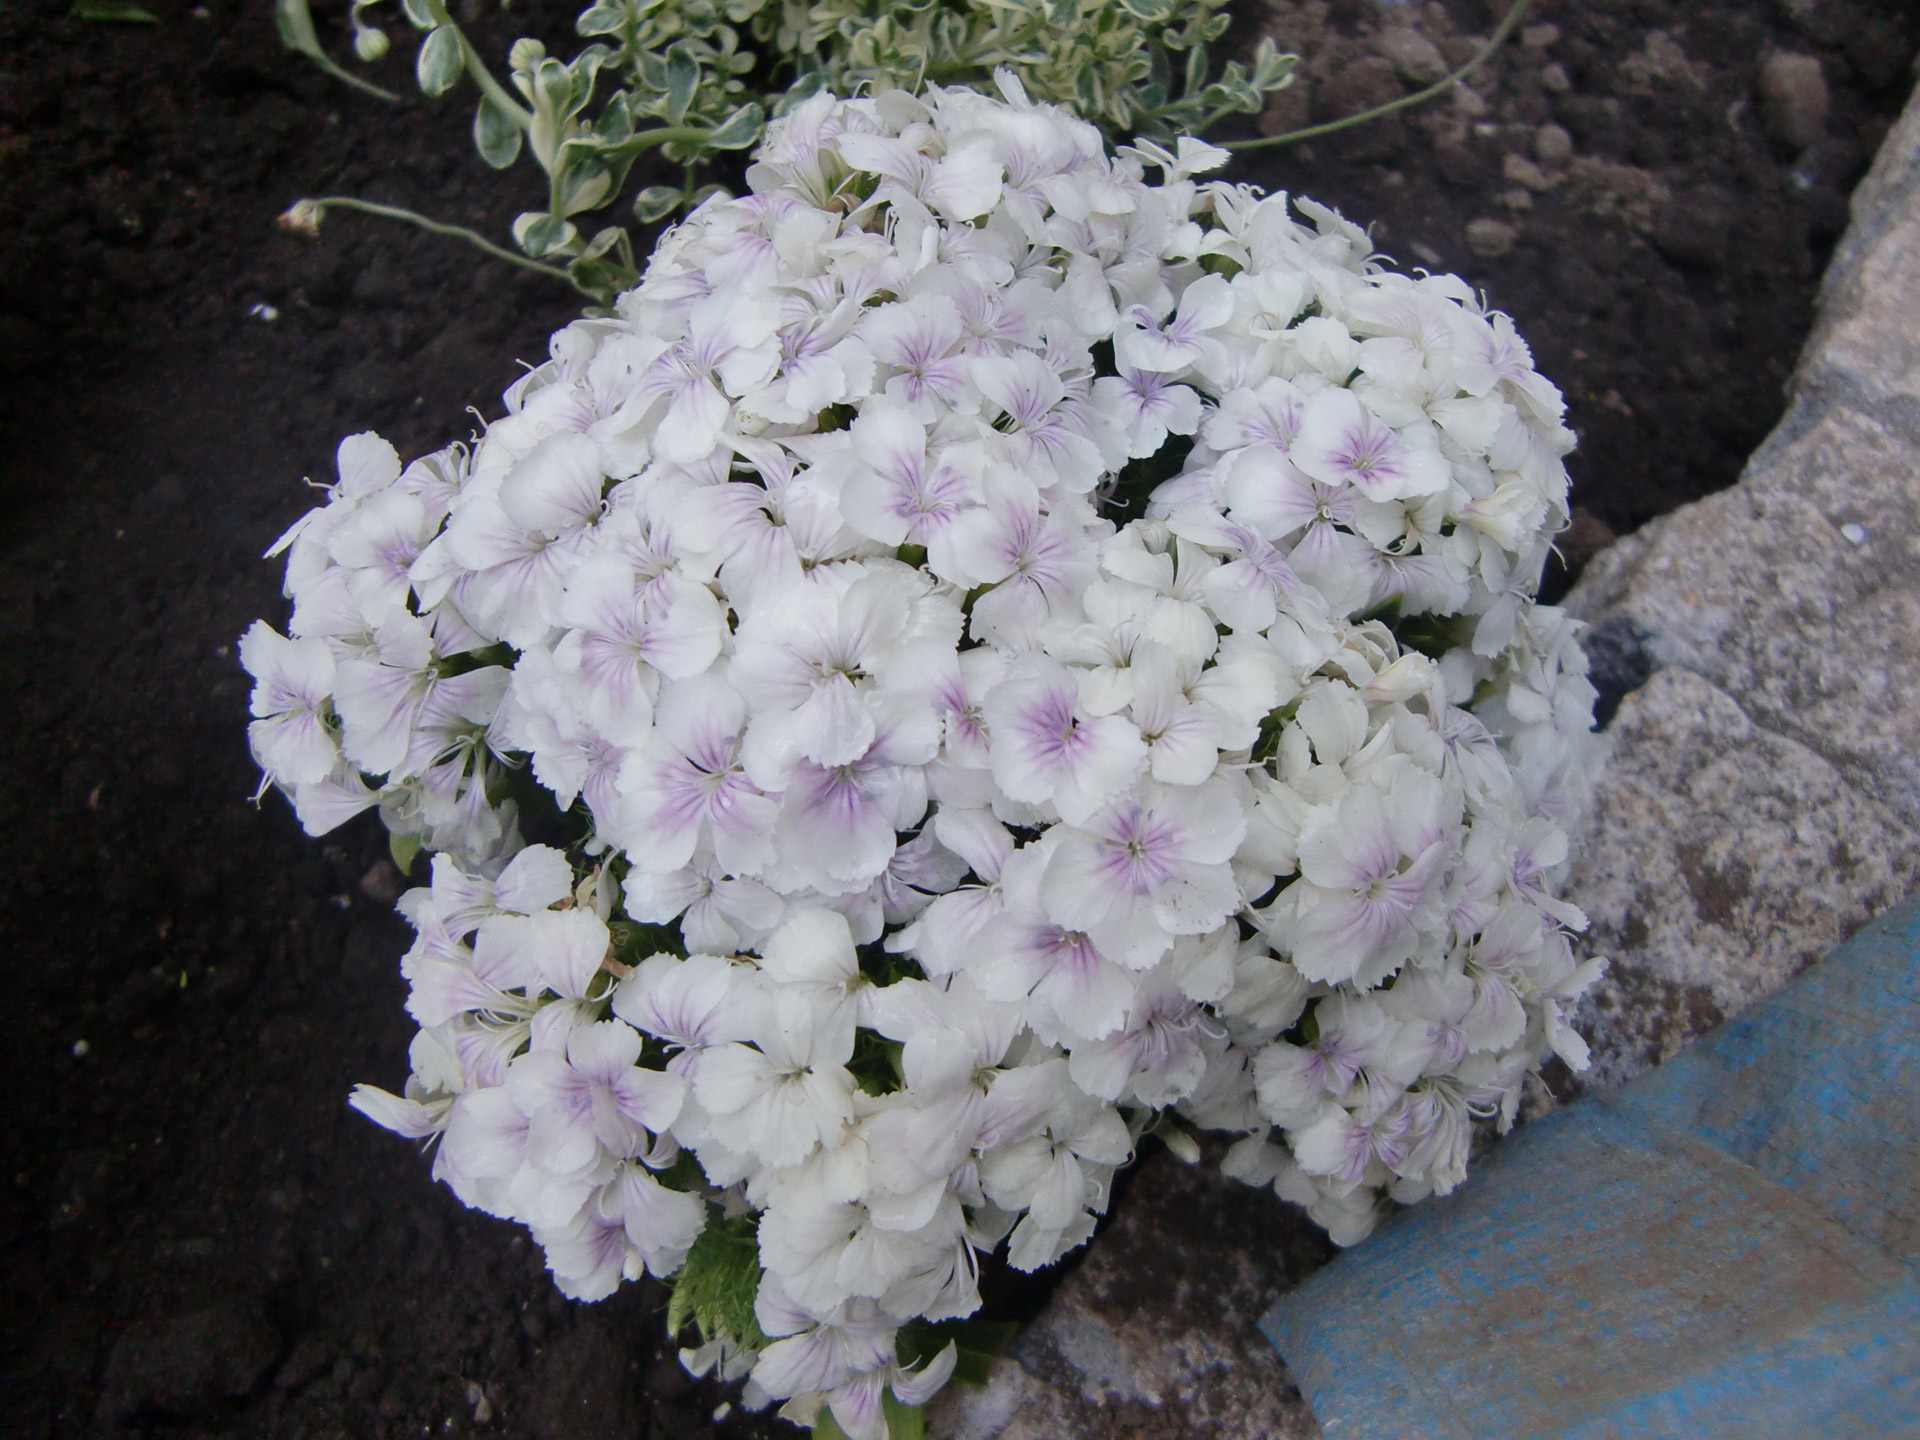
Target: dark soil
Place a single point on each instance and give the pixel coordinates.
(198, 1237)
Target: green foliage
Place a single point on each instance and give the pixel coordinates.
(977, 1343)
(875, 1063)
(1135, 484)
(696, 79)
(1433, 635)
(113, 11)
(405, 849)
(717, 1283)
(904, 1422)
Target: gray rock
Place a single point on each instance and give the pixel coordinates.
(1414, 58)
(1793, 98)
(1763, 800)
(1721, 859)
(1552, 145)
(1152, 1337)
(1522, 171)
(1490, 239)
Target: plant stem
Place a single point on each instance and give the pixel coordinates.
(661, 135)
(345, 76)
(1405, 101)
(295, 23)
(459, 232)
(477, 68)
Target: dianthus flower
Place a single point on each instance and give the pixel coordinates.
(947, 802)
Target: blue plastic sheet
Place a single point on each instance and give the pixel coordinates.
(1728, 1246)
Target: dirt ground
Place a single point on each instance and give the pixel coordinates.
(198, 1237)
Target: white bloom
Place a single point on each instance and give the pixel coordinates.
(788, 594)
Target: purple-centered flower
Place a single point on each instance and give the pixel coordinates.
(594, 1097)
(1341, 442)
(1036, 563)
(806, 664)
(292, 682)
(1047, 433)
(625, 636)
(1185, 340)
(1249, 590)
(1043, 748)
(1149, 866)
(729, 348)
(838, 824)
(917, 340)
(684, 785)
(1342, 1147)
(1157, 1057)
(900, 493)
(1146, 406)
(1366, 896)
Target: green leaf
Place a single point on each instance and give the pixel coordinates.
(581, 75)
(601, 20)
(683, 81)
(616, 119)
(441, 61)
(1196, 68)
(718, 1281)
(904, 1422)
(606, 266)
(295, 24)
(656, 202)
(553, 87)
(495, 135)
(581, 179)
(1271, 69)
(977, 1343)
(418, 15)
(405, 849)
(113, 10)
(739, 130)
(539, 234)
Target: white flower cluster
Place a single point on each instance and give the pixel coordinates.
(995, 832)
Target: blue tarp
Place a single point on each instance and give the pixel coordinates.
(1727, 1246)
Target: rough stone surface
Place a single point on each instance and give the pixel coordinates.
(1153, 1337)
(1490, 238)
(1416, 59)
(1763, 801)
(1721, 858)
(1552, 145)
(1793, 99)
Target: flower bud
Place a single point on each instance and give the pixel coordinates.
(302, 218)
(370, 43)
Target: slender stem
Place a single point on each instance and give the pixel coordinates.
(459, 232)
(476, 67)
(1405, 101)
(660, 135)
(346, 76)
(295, 22)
